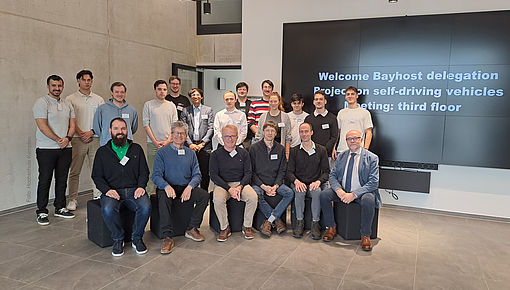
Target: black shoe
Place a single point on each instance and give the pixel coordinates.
(64, 213)
(42, 219)
(299, 229)
(316, 230)
(118, 248)
(139, 246)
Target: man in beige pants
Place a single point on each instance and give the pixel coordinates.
(230, 170)
(85, 142)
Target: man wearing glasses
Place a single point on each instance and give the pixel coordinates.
(180, 101)
(354, 178)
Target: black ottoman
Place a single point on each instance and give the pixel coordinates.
(181, 214)
(235, 211)
(96, 228)
(348, 220)
(260, 218)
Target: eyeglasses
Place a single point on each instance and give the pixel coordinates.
(352, 139)
(229, 136)
(180, 133)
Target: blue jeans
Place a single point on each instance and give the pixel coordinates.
(367, 203)
(277, 212)
(299, 201)
(110, 208)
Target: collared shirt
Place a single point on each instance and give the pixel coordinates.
(311, 151)
(84, 108)
(236, 118)
(196, 122)
(323, 114)
(58, 113)
(120, 150)
(355, 184)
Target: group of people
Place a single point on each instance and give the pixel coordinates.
(262, 151)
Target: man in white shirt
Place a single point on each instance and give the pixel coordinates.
(158, 116)
(230, 116)
(85, 142)
(297, 117)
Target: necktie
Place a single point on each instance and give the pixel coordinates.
(348, 177)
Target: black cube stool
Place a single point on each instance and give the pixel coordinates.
(260, 218)
(97, 230)
(235, 211)
(181, 215)
(307, 214)
(348, 220)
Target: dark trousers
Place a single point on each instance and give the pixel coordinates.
(199, 197)
(50, 160)
(203, 162)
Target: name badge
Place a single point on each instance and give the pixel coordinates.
(125, 116)
(280, 125)
(205, 117)
(233, 153)
(311, 152)
(325, 126)
(242, 104)
(179, 108)
(181, 152)
(59, 107)
(124, 160)
(274, 156)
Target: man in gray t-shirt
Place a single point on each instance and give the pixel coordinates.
(55, 127)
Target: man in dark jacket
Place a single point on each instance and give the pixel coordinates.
(120, 172)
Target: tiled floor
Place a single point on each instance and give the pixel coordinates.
(414, 251)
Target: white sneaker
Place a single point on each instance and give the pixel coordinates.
(72, 205)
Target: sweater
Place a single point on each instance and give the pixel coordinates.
(268, 168)
(224, 168)
(325, 130)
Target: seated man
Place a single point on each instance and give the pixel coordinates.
(308, 172)
(177, 175)
(269, 166)
(120, 172)
(355, 177)
(230, 170)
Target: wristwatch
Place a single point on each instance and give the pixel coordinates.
(69, 138)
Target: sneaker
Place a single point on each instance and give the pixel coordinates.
(96, 197)
(72, 204)
(299, 229)
(316, 230)
(139, 246)
(167, 246)
(118, 248)
(195, 235)
(64, 213)
(248, 233)
(42, 219)
(223, 235)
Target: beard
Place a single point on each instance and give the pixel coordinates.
(119, 140)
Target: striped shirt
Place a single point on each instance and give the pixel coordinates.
(256, 109)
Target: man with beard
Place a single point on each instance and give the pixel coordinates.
(121, 173)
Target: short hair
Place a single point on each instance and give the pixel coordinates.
(160, 82)
(297, 97)
(351, 88)
(231, 127)
(269, 124)
(117, 119)
(305, 123)
(196, 90)
(241, 84)
(269, 82)
(118, 84)
(174, 78)
(178, 124)
(55, 78)
(83, 72)
(229, 92)
(320, 92)
(280, 105)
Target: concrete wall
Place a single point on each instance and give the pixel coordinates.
(219, 49)
(119, 40)
(459, 189)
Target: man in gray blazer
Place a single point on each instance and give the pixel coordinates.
(200, 120)
(355, 177)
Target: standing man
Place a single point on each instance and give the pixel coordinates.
(353, 117)
(116, 107)
(230, 170)
(243, 105)
(307, 172)
(355, 177)
(55, 127)
(85, 142)
(158, 116)
(269, 166)
(324, 124)
(120, 172)
(200, 121)
(177, 175)
(175, 96)
(230, 116)
(297, 117)
(260, 106)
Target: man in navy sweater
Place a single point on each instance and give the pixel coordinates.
(120, 172)
(177, 175)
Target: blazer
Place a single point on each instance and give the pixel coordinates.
(368, 173)
(285, 135)
(206, 129)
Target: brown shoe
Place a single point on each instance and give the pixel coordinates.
(167, 246)
(224, 234)
(280, 226)
(248, 233)
(195, 235)
(265, 229)
(366, 245)
(330, 234)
